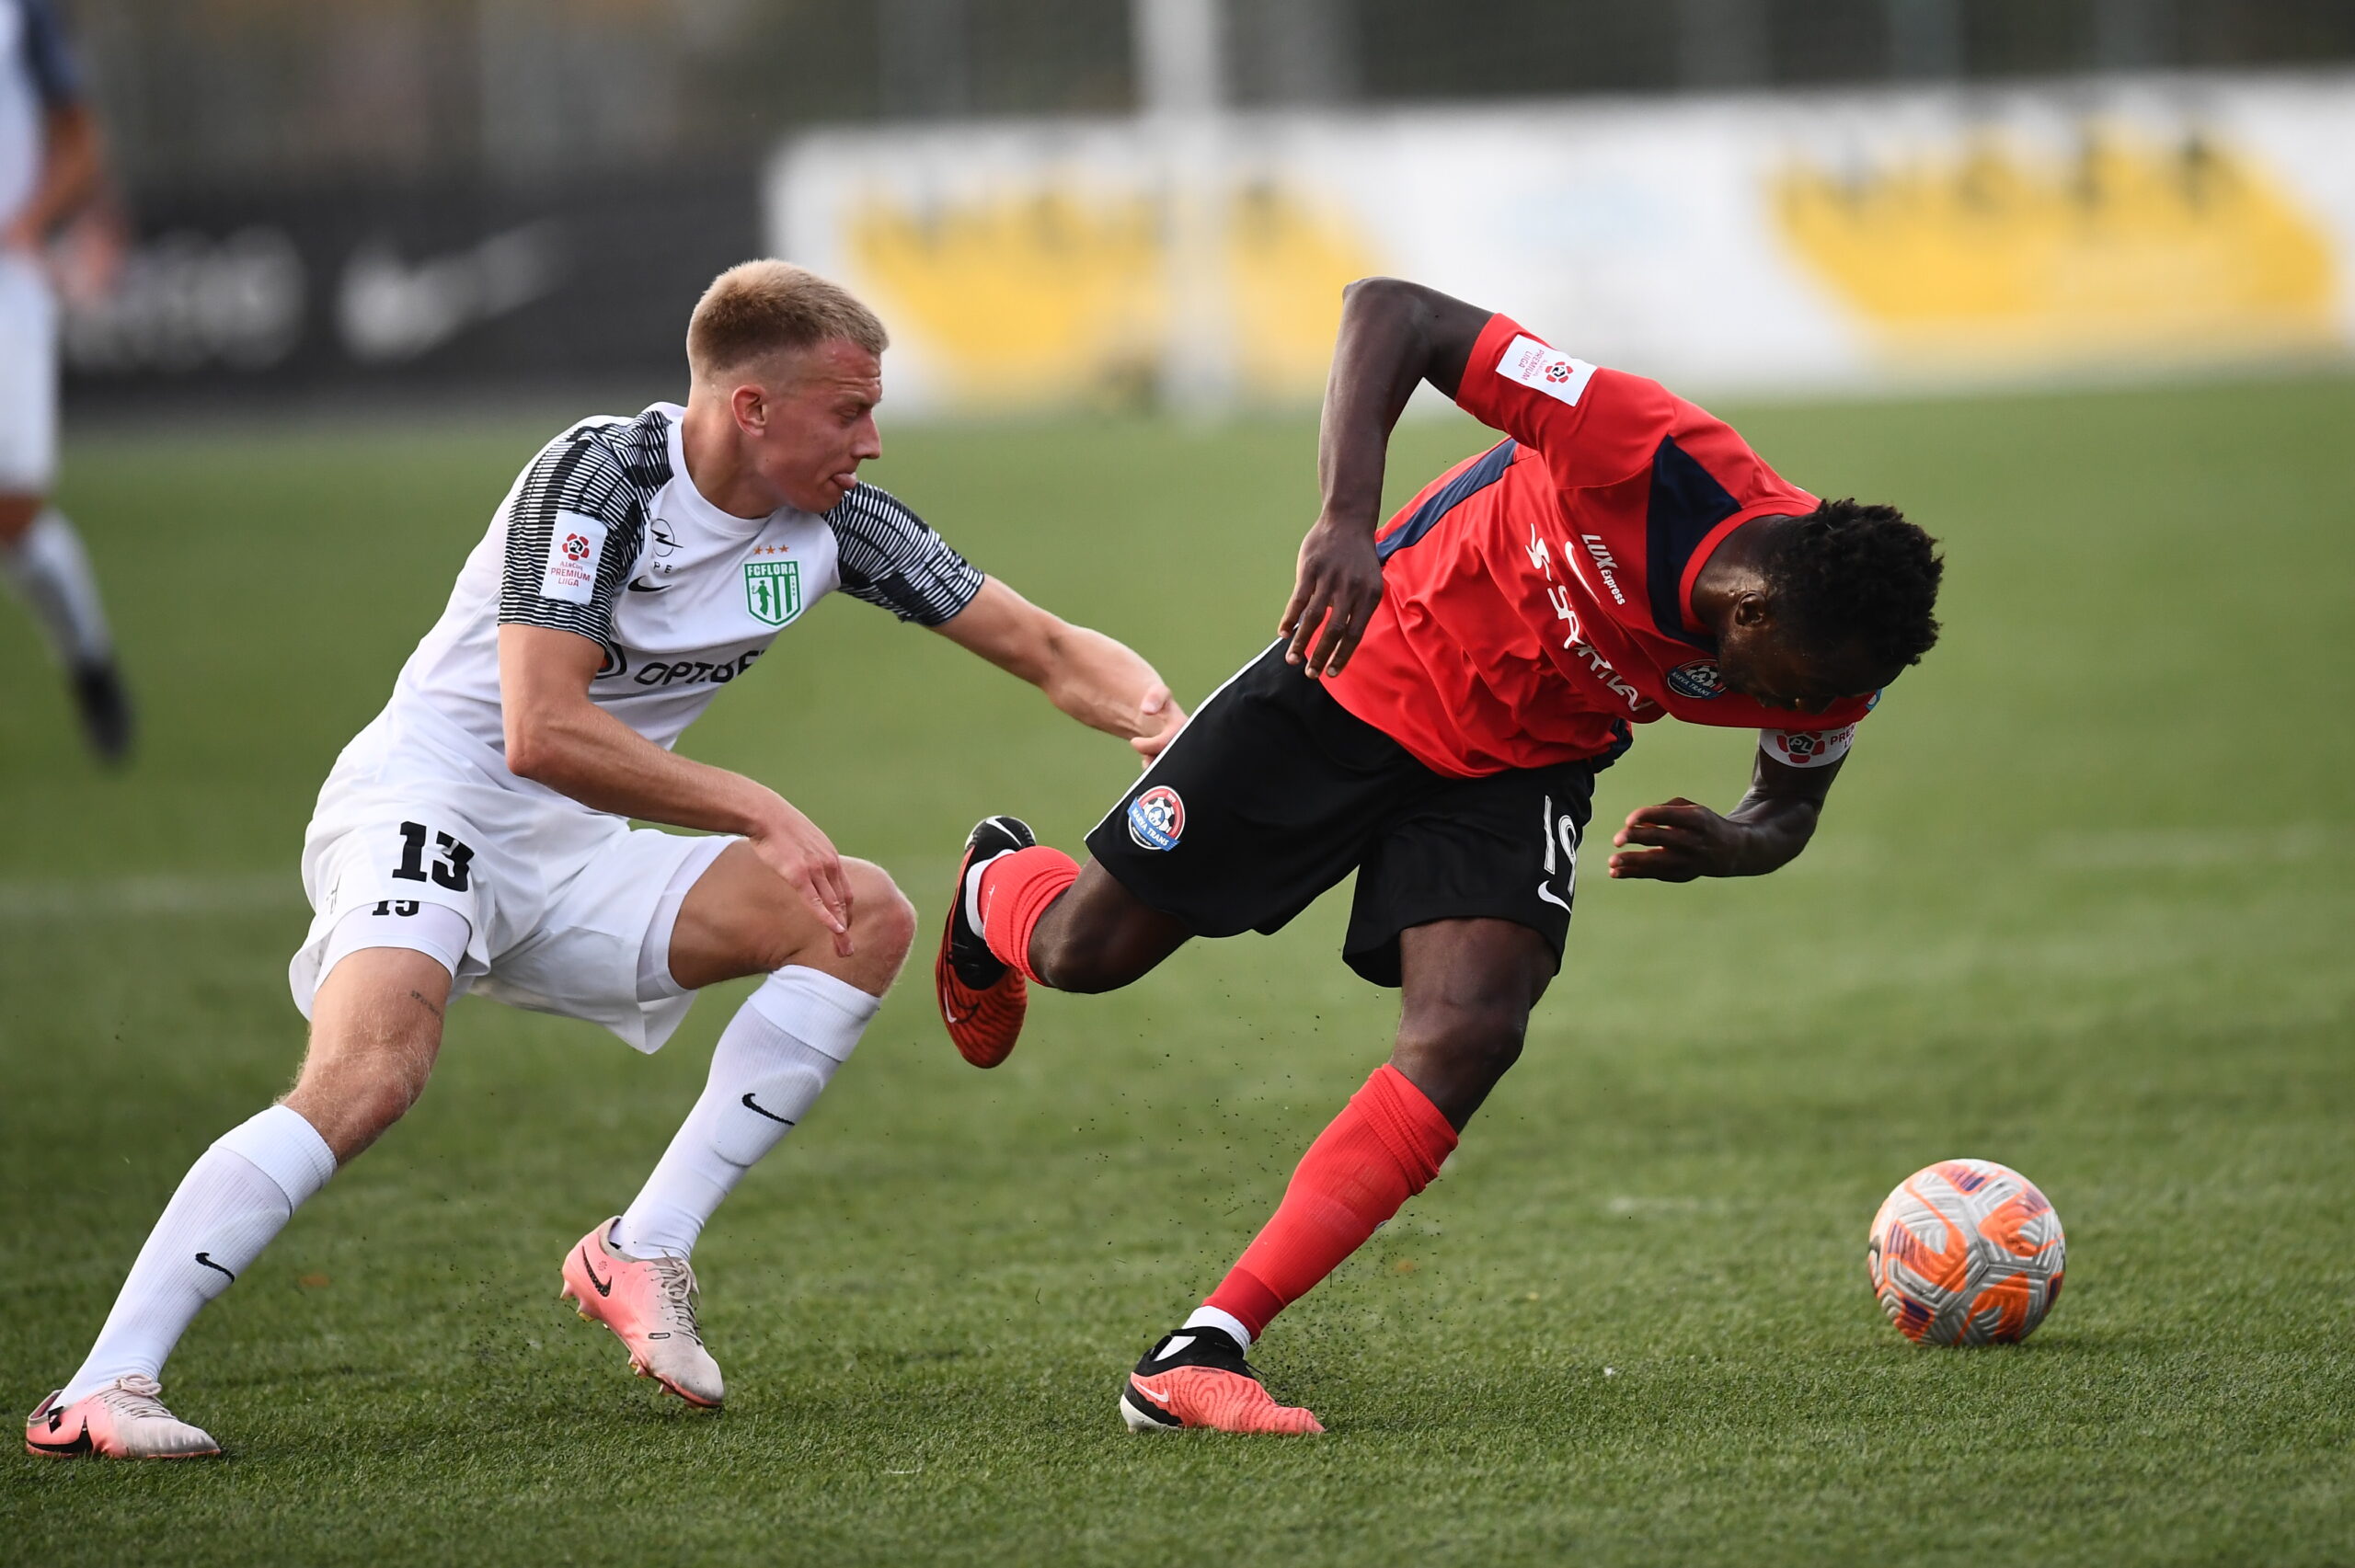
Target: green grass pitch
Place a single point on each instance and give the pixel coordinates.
(2081, 904)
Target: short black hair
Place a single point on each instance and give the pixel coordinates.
(1855, 575)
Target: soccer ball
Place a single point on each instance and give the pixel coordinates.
(1966, 1251)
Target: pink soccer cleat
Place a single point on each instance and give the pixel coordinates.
(650, 1303)
(1198, 1378)
(125, 1420)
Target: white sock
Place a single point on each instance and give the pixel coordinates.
(773, 1061)
(232, 1200)
(1225, 1322)
(974, 887)
(51, 570)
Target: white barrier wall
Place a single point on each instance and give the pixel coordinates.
(1849, 240)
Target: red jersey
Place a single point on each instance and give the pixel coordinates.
(1537, 599)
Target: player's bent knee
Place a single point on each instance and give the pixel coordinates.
(363, 1074)
(882, 931)
(1479, 1043)
(883, 920)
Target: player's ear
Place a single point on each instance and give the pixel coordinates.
(1752, 611)
(748, 403)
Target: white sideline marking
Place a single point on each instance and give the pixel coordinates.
(103, 897)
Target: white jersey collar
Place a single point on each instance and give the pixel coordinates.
(691, 502)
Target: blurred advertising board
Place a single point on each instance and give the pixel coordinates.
(1847, 240)
(429, 289)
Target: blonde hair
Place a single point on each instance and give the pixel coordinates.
(758, 308)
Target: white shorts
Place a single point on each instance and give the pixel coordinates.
(561, 899)
(28, 378)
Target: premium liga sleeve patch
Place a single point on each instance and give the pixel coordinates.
(1806, 748)
(575, 547)
(1550, 371)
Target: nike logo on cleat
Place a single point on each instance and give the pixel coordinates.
(80, 1445)
(771, 1115)
(605, 1287)
(217, 1268)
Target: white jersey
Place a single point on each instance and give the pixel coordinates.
(36, 75)
(604, 535)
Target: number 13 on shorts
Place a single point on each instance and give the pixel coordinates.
(451, 868)
(1561, 835)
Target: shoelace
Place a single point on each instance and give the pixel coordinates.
(137, 1395)
(679, 1291)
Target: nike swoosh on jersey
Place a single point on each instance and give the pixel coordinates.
(636, 586)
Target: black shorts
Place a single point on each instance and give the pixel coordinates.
(1274, 792)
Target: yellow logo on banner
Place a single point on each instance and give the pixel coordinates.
(1999, 258)
(1057, 297)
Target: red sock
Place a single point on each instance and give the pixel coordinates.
(1016, 891)
(1383, 1149)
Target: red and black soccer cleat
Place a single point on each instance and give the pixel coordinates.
(983, 998)
(1198, 1378)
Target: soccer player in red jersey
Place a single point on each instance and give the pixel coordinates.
(1441, 694)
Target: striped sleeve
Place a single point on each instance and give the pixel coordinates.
(890, 558)
(573, 532)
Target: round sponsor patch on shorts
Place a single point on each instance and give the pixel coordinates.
(1158, 819)
(1698, 681)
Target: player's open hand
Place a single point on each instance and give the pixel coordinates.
(1340, 583)
(1676, 842)
(1158, 721)
(798, 850)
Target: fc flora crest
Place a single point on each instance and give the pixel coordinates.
(773, 590)
(1158, 819)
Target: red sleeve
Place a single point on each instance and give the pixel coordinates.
(1593, 425)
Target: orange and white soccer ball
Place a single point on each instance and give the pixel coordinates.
(1966, 1251)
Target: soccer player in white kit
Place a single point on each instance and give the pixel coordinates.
(474, 836)
(50, 170)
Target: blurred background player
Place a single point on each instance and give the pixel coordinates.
(51, 173)
(476, 835)
(1432, 716)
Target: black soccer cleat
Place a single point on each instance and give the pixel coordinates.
(105, 706)
(1198, 1377)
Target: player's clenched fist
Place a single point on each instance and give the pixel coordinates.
(1338, 583)
(1158, 721)
(798, 850)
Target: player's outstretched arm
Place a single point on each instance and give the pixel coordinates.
(556, 736)
(1678, 840)
(1098, 681)
(1394, 335)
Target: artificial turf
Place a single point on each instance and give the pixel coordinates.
(2081, 904)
